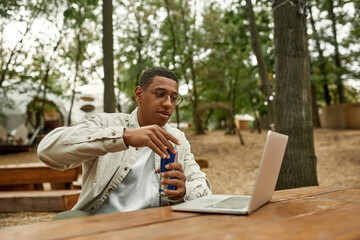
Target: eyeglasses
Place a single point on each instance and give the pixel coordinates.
(162, 95)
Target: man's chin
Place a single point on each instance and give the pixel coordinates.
(158, 122)
(161, 123)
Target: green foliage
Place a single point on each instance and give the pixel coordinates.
(347, 19)
(209, 48)
(8, 7)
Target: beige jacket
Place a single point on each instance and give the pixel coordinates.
(98, 145)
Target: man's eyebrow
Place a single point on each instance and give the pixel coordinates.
(163, 89)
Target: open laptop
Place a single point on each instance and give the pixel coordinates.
(270, 164)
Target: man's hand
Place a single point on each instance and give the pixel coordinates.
(179, 181)
(151, 136)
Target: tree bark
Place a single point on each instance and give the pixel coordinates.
(108, 61)
(293, 100)
(255, 42)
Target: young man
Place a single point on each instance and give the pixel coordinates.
(120, 153)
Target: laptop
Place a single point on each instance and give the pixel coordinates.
(270, 164)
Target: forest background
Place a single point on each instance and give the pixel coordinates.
(227, 55)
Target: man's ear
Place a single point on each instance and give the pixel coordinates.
(138, 94)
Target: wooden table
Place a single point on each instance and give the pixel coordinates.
(302, 213)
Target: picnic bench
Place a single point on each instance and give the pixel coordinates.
(300, 213)
(35, 187)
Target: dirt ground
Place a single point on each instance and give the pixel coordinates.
(232, 167)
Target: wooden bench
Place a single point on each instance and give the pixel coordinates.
(38, 201)
(22, 188)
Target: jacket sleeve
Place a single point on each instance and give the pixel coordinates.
(69, 147)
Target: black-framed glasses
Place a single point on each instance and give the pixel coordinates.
(162, 95)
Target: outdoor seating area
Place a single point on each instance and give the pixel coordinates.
(178, 119)
(36, 187)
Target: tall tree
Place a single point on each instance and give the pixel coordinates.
(108, 61)
(79, 15)
(264, 75)
(174, 49)
(339, 81)
(189, 60)
(293, 96)
(46, 77)
(322, 59)
(138, 41)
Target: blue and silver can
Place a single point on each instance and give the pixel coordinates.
(163, 163)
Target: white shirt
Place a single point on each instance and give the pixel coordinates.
(138, 190)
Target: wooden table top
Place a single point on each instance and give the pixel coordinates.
(301, 213)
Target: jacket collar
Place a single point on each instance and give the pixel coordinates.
(133, 119)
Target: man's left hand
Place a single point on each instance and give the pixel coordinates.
(179, 180)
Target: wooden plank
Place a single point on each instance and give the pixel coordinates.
(35, 173)
(333, 215)
(38, 201)
(15, 148)
(19, 187)
(19, 158)
(302, 192)
(334, 223)
(65, 229)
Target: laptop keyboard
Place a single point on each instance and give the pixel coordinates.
(235, 202)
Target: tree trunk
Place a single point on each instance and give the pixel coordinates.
(45, 81)
(340, 86)
(293, 100)
(108, 61)
(174, 47)
(255, 42)
(189, 59)
(139, 47)
(314, 108)
(118, 105)
(257, 121)
(77, 64)
(322, 60)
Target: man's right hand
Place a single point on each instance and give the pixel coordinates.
(151, 136)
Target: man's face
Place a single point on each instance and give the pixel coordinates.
(152, 110)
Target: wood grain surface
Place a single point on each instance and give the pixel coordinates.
(302, 213)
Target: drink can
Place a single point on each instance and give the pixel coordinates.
(163, 163)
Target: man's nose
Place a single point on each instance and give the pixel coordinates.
(167, 101)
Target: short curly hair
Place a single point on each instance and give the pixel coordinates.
(148, 75)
